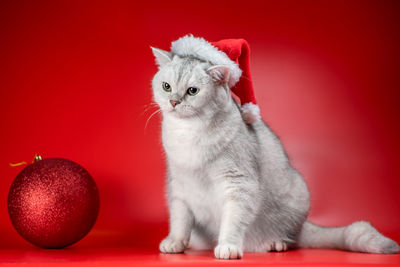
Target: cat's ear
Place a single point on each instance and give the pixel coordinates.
(162, 57)
(220, 73)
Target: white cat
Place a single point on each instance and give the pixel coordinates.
(231, 187)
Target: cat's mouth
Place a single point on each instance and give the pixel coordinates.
(182, 111)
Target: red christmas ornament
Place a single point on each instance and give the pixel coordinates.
(53, 202)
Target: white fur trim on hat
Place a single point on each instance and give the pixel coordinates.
(197, 47)
(250, 112)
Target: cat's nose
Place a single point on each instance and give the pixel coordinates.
(174, 103)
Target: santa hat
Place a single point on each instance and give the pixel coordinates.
(234, 55)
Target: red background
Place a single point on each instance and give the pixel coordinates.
(75, 81)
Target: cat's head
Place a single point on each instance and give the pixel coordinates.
(186, 87)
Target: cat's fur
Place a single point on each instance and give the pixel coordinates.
(231, 187)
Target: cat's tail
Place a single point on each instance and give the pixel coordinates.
(358, 236)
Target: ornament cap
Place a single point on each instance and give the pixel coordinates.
(37, 158)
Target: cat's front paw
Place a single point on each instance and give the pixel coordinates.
(172, 245)
(228, 251)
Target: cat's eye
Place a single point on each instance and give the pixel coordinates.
(166, 87)
(193, 91)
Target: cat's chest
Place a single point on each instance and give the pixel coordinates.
(204, 199)
(186, 145)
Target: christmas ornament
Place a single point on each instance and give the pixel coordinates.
(232, 53)
(53, 202)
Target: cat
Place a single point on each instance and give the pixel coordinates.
(230, 185)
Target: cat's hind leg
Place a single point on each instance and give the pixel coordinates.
(200, 240)
(276, 246)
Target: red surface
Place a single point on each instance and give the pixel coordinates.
(75, 79)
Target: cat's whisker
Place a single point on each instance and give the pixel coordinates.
(154, 113)
(150, 104)
(148, 107)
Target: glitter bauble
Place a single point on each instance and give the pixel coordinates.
(53, 203)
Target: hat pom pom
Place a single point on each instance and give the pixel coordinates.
(250, 112)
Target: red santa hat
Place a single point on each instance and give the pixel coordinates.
(234, 55)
